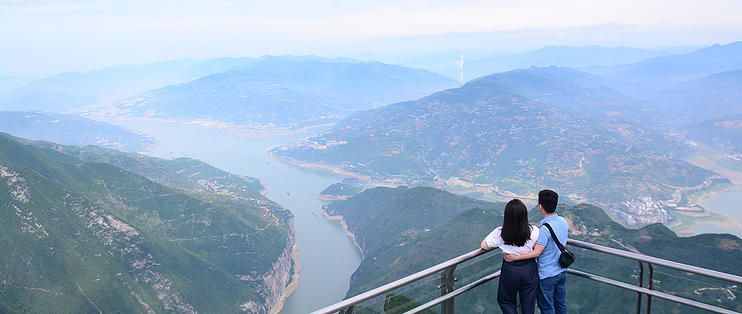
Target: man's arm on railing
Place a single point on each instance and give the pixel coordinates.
(537, 249)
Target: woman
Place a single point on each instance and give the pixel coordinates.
(515, 236)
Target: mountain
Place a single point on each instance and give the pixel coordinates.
(567, 56)
(480, 63)
(513, 134)
(716, 95)
(404, 230)
(72, 130)
(445, 62)
(679, 67)
(568, 90)
(683, 88)
(287, 92)
(81, 234)
(66, 91)
(10, 83)
(722, 132)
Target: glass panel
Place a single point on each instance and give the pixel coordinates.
(696, 287)
(662, 306)
(424, 290)
(588, 296)
(404, 298)
(482, 299)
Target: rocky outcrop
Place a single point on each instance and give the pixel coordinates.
(125, 241)
(278, 284)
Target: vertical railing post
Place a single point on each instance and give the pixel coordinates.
(347, 310)
(649, 297)
(639, 294)
(447, 286)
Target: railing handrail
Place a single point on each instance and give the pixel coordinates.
(656, 261)
(400, 282)
(468, 256)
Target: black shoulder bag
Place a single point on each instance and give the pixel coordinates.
(567, 257)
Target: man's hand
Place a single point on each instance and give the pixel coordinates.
(511, 257)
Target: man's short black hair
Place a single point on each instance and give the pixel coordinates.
(548, 200)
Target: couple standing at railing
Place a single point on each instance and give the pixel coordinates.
(531, 268)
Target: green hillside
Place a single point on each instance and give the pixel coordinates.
(182, 173)
(405, 230)
(81, 236)
(340, 190)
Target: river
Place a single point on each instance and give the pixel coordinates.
(326, 254)
(727, 203)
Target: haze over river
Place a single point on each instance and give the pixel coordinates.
(327, 256)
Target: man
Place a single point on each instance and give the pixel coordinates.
(551, 294)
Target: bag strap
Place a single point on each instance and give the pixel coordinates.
(553, 236)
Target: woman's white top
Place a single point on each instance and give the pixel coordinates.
(494, 239)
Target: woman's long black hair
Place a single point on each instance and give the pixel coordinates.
(515, 228)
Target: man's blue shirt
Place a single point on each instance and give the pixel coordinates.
(548, 261)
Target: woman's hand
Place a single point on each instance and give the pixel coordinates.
(511, 257)
(537, 249)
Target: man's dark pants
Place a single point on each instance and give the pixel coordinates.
(552, 294)
(519, 278)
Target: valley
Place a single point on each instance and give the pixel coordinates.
(286, 183)
(326, 256)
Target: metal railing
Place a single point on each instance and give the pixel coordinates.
(448, 291)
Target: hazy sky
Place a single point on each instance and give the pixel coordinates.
(42, 37)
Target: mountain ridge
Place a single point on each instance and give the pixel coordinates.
(501, 140)
(678, 67)
(286, 93)
(72, 130)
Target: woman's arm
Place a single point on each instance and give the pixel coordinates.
(492, 240)
(537, 249)
(485, 246)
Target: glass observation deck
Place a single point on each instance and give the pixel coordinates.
(632, 283)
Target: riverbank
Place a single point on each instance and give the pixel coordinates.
(325, 197)
(714, 218)
(341, 220)
(720, 214)
(687, 223)
(332, 169)
(245, 130)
